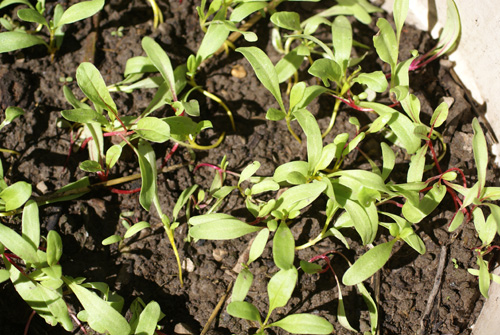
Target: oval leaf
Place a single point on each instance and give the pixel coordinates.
(304, 324)
(80, 11)
(153, 129)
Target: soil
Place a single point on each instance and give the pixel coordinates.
(30, 79)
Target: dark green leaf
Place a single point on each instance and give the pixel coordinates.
(31, 15)
(90, 166)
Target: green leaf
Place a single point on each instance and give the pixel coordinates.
(297, 93)
(136, 228)
(372, 307)
(411, 106)
(93, 86)
(388, 160)
(113, 155)
(15, 40)
(431, 200)
(111, 239)
(280, 288)
(16, 195)
(80, 11)
(274, 114)
(265, 186)
(327, 70)
(183, 199)
(84, 115)
(375, 81)
(484, 277)
(282, 172)
(153, 129)
(314, 140)
(160, 59)
(480, 153)
(265, 71)
(342, 41)
(215, 37)
(366, 178)
(400, 11)
(243, 310)
(12, 113)
(146, 155)
(258, 245)
(245, 9)
(54, 248)
(31, 223)
(4, 275)
(18, 245)
(450, 35)
(364, 225)
(385, 43)
(6, 3)
(287, 20)
(242, 285)
(440, 114)
(369, 263)
(417, 165)
(304, 324)
(148, 319)
(248, 172)
(486, 229)
(31, 15)
(283, 247)
(298, 197)
(100, 315)
(288, 65)
(90, 166)
(310, 268)
(223, 229)
(457, 221)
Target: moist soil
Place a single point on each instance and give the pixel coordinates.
(148, 270)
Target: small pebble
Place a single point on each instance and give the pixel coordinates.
(238, 71)
(188, 265)
(219, 254)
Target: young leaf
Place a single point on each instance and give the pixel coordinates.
(287, 20)
(93, 86)
(369, 263)
(484, 277)
(248, 172)
(18, 245)
(363, 224)
(90, 166)
(160, 59)
(113, 155)
(258, 245)
(16, 195)
(480, 153)
(223, 229)
(342, 41)
(486, 229)
(283, 247)
(304, 324)
(298, 197)
(400, 11)
(310, 268)
(327, 70)
(153, 129)
(457, 221)
(111, 239)
(265, 71)
(288, 65)
(388, 160)
(31, 223)
(136, 228)
(31, 15)
(183, 199)
(54, 248)
(148, 319)
(245, 9)
(80, 11)
(84, 115)
(15, 40)
(417, 165)
(450, 35)
(100, 315)
(215, 37)
(431, 200)
(243, 310)
(242, 285)
(282, 172)
(375, 81)
(440, 114)
(280, 288)
(146, 155)
(385, 43)
(314, 140)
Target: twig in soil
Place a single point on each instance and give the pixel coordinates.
(217, 309)
(435, 289)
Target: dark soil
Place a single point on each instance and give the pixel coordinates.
(30, 80)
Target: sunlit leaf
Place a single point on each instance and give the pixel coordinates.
(304, 324)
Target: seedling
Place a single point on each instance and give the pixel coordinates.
(15, 39)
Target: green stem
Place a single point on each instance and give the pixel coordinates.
(333, 118)
(288, 125)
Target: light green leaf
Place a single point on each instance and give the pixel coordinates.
(484, 277)
(486, 229)
(160, 59)
(283, 247)
(385, 43)
(369, 263)
(375, 81)
(148, 319)
(31, 223)
(248, 172)
(282, 172)
(54, 248)
(327, 70)
(18, 245)
(245, 9)
(274, 114)
(258, 245)
(243, 310)
(100, 315)
(84, 115)
(310, 268)
(287, 20)
(389, 160)
(183, 199)
(153, 129)
(4, 275)
(113, 155)
(111, 239)
(242, 285)
(16, 195)
(457, 221)
(431, 200)
(314, 140)
(90, 166)
(372, 307)
(450, 35)
(6, 3)
(80, 11)
(411, 106)
(400, 11)
(15, 40)
(480, 153)
(288, 65)
(366, 178)
(215, 37)
(31, 15)
(342, 41)
(304, 324)
(146, 155)
(297, 93)
(93, 86)
(265, 71)
(223, 229)
(440, 114)
(298, 197)
(280, 288)
(136, 228)
(417, 165)
(363, 224)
